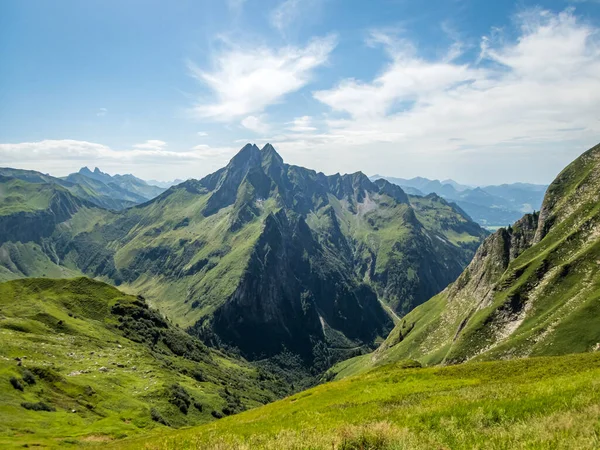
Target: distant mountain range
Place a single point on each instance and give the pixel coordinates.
(490, 206)
(164, 184)
(114, 192)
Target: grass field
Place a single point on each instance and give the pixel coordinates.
(536, 403)
(81, 363)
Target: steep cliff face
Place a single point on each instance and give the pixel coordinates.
(292, 291)
(531, 289)
(493, 258)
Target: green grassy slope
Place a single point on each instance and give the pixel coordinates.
(107, 367)
(531, 290)
(535, 403)
(115, 195)
(20, 196)
(30, 214)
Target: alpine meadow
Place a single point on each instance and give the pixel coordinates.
(256, 284)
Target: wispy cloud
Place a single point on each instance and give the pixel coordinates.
(149, 152)
(256, 124)
(151, 144)
(102, 112)
(301, 124)
(283, 15)
(291, 12)
(545, 80)
(244, 81)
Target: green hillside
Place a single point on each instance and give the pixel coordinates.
(535, 403)
(120, 192)
(531, 290)
(81, 362)
(30, 215)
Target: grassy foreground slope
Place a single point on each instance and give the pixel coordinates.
(535, 403)
(81, 362)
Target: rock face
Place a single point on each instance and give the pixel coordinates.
(290, 290)
(531, 289)
(268, 257)
(493, 258)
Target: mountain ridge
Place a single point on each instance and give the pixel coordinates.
(532, 289)
(491, 206)
(196, 249)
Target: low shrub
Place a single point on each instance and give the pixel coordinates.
(39, 406)
(16, 383)
(28, 377)
(180, 398)
(157, 417)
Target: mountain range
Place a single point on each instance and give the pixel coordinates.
(258, 280)
(490, 206)
(261, 255)
(110, 192)
(532, 289)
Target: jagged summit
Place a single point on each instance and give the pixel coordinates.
(247, 152)
(270, 154)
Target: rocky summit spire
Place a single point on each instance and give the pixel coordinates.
(247, 159)
(249, 155)
(269, 154)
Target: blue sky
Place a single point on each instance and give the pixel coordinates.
(479, 91)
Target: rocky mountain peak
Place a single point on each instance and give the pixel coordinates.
(270, 154)
(392, 190)
(248, 159)
(248, 156)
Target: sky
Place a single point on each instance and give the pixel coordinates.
(478, 91)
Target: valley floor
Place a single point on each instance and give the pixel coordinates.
(536, 403)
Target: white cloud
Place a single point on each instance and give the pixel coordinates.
(102, 112)
(301, 124)
(284, 14)
(202, 133)
(151, 151)
(61, 157)
(407, 79)
(246, 80)
(290, 12)
(256, 124)
(535, 92)
(152, 144)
